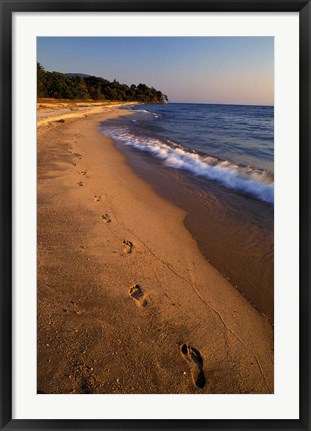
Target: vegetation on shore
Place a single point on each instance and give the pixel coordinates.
(77, 86)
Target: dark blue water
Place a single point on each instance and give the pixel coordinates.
(231, 145)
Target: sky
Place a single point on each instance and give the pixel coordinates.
(230, 70)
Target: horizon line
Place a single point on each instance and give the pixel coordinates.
(215, 103)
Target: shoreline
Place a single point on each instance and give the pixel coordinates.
(223, 241)
(102, 230)
(235, 240)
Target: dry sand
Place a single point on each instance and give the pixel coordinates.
(52, 110)
(126, 301)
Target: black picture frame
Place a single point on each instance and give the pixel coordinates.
(7, 10)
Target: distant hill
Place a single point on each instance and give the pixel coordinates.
(81, 86)
(74, 75)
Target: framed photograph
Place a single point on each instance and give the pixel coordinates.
(155, 215)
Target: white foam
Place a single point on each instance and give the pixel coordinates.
(145, 111)
(141, 110)
(255, 183)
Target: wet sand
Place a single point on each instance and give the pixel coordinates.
(126, 301)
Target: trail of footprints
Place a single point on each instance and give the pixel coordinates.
(190, 354)
(79, 157)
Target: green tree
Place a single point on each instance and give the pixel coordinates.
(60, 86)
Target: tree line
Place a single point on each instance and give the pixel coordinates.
(76, 86)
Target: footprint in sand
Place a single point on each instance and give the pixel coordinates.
(80, 183)
(128, 246)
(97, 198)
(83, 173)
(106, 218)
(195, 362)
(138, 295)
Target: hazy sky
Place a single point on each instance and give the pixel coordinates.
(237, 70)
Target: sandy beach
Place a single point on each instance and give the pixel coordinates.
(126, 301)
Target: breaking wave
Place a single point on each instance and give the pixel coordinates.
(145, 111)
(244, 179)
